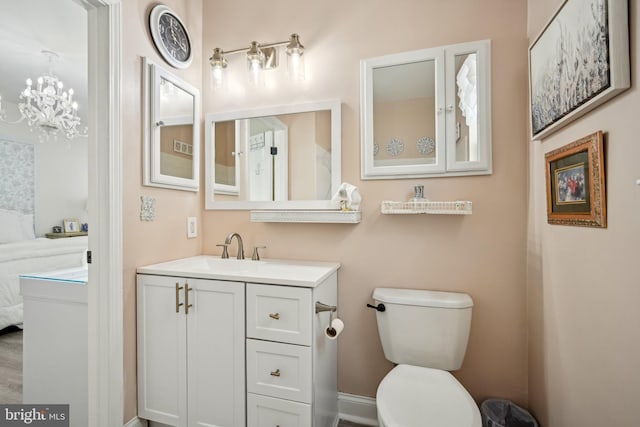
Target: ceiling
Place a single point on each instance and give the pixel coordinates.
(29, 26)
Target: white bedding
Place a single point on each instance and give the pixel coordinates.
(33, 256)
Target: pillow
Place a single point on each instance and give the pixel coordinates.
(28, 231)
(15, 226)
(11, 228)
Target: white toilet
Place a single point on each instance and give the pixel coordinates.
(425, 333)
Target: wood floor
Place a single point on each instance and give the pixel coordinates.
(11, 369)
(11, 365)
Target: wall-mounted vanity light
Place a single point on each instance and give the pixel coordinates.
(260, 57)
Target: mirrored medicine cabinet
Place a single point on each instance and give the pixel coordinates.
(284, 157)
(427, 113)
(171, 130)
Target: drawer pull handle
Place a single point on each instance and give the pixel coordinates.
(275, 316)
(275, 373)
(187, 306)
(178, 303)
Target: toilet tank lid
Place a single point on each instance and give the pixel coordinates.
(422, 298)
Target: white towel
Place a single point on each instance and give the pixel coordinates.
(350, 194)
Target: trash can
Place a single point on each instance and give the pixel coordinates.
(504, 413)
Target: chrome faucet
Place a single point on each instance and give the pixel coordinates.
(228, 240)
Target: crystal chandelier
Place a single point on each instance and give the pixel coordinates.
(49, 108)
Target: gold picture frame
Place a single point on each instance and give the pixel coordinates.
(576, 183)
(72, 225)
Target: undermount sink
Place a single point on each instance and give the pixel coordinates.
(282, 272)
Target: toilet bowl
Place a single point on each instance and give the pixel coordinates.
(425, 333)
(413, 396)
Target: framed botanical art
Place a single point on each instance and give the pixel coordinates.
(576, 183)
(579, 61)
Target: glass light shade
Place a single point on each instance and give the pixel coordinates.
(255, 64)
(217, 77)
(295, 58)
(295, 67)
(218, 69)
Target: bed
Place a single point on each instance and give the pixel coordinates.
(31, 256)
(20, 251)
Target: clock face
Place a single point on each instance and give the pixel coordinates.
(170, 36)
(174, 37)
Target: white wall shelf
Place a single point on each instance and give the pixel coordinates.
(458, 207)
(309, 216)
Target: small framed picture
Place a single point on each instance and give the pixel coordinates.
(576, 183)
(177, 146)
(71, 225)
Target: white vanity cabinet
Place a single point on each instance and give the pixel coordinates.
(191, 368)
(194, 364)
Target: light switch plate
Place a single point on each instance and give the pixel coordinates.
(192, 227)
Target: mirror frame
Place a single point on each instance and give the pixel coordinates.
(151, 76)
(446, 164)
(333, 106)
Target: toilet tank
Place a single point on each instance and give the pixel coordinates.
(424, 328)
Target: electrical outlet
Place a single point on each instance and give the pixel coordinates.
(192, 227)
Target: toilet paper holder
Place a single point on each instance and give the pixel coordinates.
(321, 307)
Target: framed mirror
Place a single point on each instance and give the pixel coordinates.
(427, 112)
(283, 157)
(172, 130)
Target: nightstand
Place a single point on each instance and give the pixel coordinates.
(63, 235)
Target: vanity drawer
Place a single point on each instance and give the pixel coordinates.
(279, 370)
(263, 411)
(279, 313)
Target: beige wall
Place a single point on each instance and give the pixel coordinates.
(583, 287)
(482, 254)
(164, 238)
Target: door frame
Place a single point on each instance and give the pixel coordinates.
(105, 303)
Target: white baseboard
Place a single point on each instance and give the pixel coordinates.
(136, 422)
(358, 409)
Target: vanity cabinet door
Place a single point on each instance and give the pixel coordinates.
(191, 357)
(216, 354)
(162, 351)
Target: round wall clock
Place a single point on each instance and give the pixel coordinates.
(170, 36)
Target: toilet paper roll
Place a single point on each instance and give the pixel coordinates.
(334, 329)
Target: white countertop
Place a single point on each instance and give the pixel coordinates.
(271, 271)
(69, 285)
(71, 275)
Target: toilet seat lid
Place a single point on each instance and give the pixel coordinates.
(415, 396)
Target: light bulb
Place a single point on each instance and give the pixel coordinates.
(255, 72)
(218, 65)
(255, 63)
(216, 77)
(295, 58)
(295, 67)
